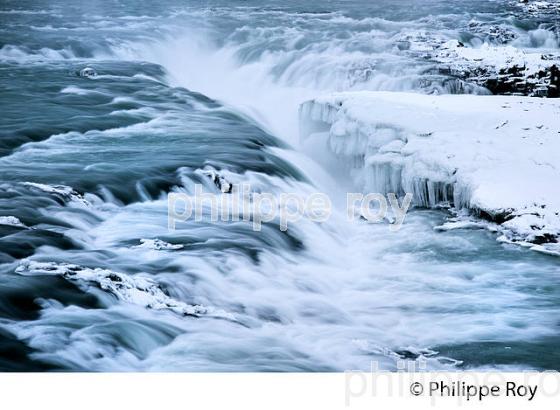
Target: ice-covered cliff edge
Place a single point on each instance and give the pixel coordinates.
(497, 156)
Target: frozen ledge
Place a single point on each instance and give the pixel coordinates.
(496, 156)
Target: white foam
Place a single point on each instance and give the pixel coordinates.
(76, 90)
(21, 55)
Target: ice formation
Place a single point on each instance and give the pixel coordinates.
(136, 289)
(63, 191)
(11, 221)
(158, 245)
(496, 156)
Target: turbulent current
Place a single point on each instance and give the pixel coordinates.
(110, 106)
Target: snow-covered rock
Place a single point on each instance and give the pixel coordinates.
(497, 156)
(539, 7)
(88, 72)
(502, 69)
(158, 245)
(137, 290)
(64, 192)
(493, 33)
(220, 181)
(493, 61)
(11, 221)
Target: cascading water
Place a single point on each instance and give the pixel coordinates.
(91, 278)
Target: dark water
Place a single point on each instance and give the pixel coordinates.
(186, 86)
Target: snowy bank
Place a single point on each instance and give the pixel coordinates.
(502, 69)
(497, 156)
(495, 59)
